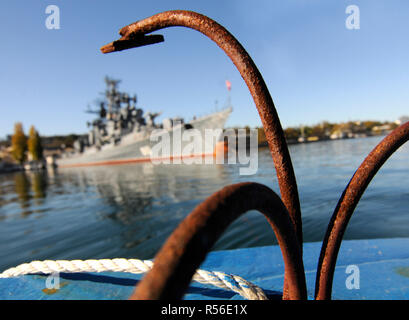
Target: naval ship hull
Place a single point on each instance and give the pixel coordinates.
(137, 146)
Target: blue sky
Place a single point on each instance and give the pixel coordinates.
(315, 68)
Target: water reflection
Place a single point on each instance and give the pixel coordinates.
(31, 185)
(39, 182)
(139, 190)
(22, 189)
(142, 202)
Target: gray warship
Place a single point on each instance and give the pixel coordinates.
(122, 133)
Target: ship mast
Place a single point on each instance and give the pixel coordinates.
(112, 96)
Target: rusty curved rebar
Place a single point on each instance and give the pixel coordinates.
(188, 245)
(347, 204)
(135, 35)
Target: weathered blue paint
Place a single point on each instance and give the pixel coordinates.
(383, 266)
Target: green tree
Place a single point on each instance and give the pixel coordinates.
(292, 133)
(19, 143)
(317, 131)
(34, 144)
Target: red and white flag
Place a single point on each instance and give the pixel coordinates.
(228, 85)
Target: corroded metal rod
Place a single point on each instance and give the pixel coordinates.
(140, 41)
(136, 32)
(347, 204)
(189, 244)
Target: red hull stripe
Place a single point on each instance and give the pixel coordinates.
(133, 160)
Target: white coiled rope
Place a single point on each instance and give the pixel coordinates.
(219, 279)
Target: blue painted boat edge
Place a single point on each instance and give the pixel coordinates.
(383, 266)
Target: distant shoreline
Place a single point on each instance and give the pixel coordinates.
(295, 142)
(7, 167)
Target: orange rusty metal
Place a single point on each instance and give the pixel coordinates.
(136, 32)
(189, 244)
(347, 204)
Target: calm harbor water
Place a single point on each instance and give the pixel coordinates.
(129, 210)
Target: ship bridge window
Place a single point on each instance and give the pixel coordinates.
(188, 126)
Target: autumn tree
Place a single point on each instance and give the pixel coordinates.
(19, 143)
(292, 133)
(261, 136)
(34, 144)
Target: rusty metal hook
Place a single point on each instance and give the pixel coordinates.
(189, 244)
(134, 35)
(347, 204)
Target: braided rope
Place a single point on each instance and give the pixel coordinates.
(219, 279)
